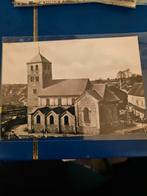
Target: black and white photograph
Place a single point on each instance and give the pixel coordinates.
(71, 88)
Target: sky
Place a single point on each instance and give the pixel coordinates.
(92, 58)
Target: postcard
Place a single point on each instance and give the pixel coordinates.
(141, 2)
(73, 87)
(126, 3)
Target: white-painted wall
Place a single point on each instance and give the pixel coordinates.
(137, 101)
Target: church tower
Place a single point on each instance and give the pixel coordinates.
(39, 75)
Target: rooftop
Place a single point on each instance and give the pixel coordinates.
(67, 87)
(137, 90)
(57, 110)
(100, 89)
(39, 58)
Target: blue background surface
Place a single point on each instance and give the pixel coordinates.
(63, 20)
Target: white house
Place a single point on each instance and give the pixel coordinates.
(136, 100)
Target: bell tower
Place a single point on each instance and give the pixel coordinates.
(39, 75)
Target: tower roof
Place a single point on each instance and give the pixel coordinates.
(39, 58)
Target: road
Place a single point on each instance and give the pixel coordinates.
(21, 132)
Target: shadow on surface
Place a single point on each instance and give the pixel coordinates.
(68, 177)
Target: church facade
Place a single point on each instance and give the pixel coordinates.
(74, 106)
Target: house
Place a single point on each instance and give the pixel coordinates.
(136, 101)
(53, 120)
(68, 121)
(67, 105)
(97, 110)
(121, 94)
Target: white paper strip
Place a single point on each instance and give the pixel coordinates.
(141, 2)
(126, 3)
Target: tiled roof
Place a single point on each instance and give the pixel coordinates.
(53, 82)
(101, 92)
(110, 96)
(94, 94)
(39, 59)
(100, 89)
(105, 93)
(57, 110)
(118, 92)
(137, 90)
(67, 87)
(143, 111)
(44, 110)
(71, 110)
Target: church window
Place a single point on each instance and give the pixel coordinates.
(47, 102)
(73, 101)
(51, 120)
(37, 78)
(59, 101)
(86, 114)
(34, 91)
(36, 67)
(66, 120)
(32, 79)
(142, 104)
(38, 119)
(32, 68)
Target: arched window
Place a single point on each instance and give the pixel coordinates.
(73, 101)
(36, 67)
(34, 91)
(47, 101)
(37, 78)
(59, 101)
(32, 79)
(38, 119)
(66, 120)
(51, 120)
(86, 113)
(31, 67)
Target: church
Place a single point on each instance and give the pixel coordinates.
(76, 106)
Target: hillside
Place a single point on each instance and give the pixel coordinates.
(14, 94)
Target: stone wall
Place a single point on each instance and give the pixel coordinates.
(109, 116)
(92, 104)
(54, 128)
(38, 127)
(70, 128)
